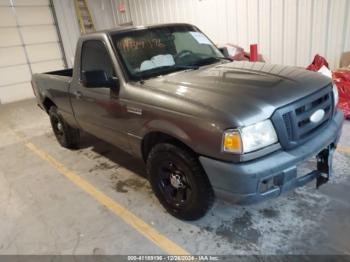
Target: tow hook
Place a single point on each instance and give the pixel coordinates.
(324, 165)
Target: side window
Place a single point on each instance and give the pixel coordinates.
(94, 56)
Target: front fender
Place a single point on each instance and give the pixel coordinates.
(167, 128)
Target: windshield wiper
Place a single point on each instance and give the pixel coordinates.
(194, 67)
(157, 71)
(224, 58)
(210, 60)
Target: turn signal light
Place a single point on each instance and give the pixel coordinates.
(232, 142)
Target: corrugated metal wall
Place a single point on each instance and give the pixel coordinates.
(68, 26)
(287, 31)
(121, 18)
(104, 13)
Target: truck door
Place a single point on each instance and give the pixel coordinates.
(95, 102)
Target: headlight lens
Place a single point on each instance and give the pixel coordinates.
(258, 136)
(250, 138)
(335, 95)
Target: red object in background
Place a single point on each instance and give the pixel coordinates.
(239, 54)
(121, 8)
(341, 78)
(317, 63)
(253, 53)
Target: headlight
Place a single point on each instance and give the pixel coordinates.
(249, 138)
(335, 95)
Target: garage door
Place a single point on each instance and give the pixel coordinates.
(29, 44)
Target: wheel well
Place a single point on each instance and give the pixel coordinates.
(154, 138)
(47, 104)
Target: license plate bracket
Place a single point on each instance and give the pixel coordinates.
(324, 165)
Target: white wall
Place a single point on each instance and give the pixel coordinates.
(29, 44)
(287, 31)
(68, 26)
(104, 14)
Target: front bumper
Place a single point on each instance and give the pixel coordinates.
(273, 174)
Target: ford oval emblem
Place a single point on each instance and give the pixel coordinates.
(317, 116)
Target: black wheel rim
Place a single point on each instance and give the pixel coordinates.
(57, 126)
(174, 184)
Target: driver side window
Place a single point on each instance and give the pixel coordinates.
(95, 57)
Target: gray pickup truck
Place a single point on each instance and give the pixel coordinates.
(205, 126)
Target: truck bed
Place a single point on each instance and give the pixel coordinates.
(55, 86)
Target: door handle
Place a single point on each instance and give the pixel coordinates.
(78, 94)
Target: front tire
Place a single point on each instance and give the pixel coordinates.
(179, 181)
(66, 135)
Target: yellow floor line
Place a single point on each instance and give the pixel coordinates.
(343, 149)
(142, 227)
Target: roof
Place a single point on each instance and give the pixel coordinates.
(132, 28)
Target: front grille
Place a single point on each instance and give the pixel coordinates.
(292, 123)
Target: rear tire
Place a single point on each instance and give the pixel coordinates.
(66, 135)
(179, 181)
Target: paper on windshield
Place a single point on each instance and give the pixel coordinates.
(200, 38)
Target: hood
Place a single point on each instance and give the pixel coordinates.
(248, 92)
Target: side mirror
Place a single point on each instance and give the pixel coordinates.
(98, 78)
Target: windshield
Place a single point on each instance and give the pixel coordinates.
(157, 51)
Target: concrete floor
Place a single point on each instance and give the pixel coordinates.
(42, 212)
